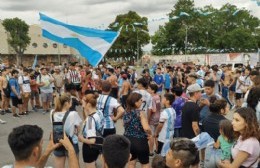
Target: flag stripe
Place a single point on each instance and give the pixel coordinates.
(91, 44)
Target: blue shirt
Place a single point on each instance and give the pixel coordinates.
(177, 106)
(14, 82)
(132, 124)
(167, 82)
(158, 79)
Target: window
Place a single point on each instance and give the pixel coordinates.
(34, 45)
(54, 45)
(45, 45)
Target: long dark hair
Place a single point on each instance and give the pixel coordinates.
(217, 106)
(252, 127)
(131, 100)
(253, 97)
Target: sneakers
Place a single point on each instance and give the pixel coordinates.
(2, 121)
(16, 116)
(8, 111)
(2, 112)
(34, 109)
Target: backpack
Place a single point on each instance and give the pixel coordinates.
(98, 124)
(7, 90)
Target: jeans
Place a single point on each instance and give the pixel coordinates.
(225, 94)
(212, 157)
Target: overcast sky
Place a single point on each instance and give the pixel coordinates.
(96, 13)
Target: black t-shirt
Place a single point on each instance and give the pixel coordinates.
(211, 125)
(190, 113)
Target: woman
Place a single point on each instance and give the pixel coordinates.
(88, 83)
(71, 121)
(253, 100)
(137, 131)
(211, 123)
(245, 152)
(90, 130)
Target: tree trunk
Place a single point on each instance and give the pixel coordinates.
(18, 59)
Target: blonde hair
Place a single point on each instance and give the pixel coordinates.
(60, 101)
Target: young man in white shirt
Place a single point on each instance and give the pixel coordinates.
(24, 82)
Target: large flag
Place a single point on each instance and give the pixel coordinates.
(91, 43)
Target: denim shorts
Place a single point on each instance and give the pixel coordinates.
(60, 152)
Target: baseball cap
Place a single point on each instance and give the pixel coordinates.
(194, 88)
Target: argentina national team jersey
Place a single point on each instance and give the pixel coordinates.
(106, 104)
(147, 101)
(167, 116)
(74, 76)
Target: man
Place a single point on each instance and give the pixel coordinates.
(183, 153)
(26, 144)
(58, 80)
(226, 80)
(114, 84)
(191, 78)
(110, 108)
(15, 94)
(24, 82)
(5, 91)
(44, 81)
(74, 77)
(115, 147)
(158, 79)
(206, 97)
(190, 112)
(146, 96)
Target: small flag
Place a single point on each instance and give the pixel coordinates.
(184, 14)
(34, 62)
(91, 43)
(235, 13)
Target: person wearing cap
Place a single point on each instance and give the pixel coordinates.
(191, 112)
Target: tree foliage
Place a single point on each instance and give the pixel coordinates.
(18, 37)
(134, 34)
(207, 29)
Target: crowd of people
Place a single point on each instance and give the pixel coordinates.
(163, 108)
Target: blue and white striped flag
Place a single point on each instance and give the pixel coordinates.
(91, 43)
(34, 62)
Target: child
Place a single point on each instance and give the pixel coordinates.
(165, 128)
(159, 162)
(225, 140)
(154, 114)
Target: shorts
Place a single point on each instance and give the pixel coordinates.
(153, 128)
(35, 94)
(26, 95)
(139, 149)
(89, 153)
(238, 96)
(63, 152)
(16, 101)
(77, 86)
(160, 146)
(107, 132)
(46, 97)
(233, 88)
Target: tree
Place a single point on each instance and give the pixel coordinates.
(18, 37)
(134, 34)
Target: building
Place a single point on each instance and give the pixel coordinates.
(46, 50)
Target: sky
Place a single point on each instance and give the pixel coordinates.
(100, 13)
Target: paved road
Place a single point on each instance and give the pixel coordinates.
(6, 157)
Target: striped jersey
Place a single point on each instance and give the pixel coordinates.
(107, 104)
(147, 101)
(167, 117)
(74, 76)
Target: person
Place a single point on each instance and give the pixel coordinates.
(167, 79)
(226, 80)
(114, 147)
(114, 84)
(253, 101)
(92, 124)
(73, 77)
(165, 128)
(125, 90)
(158, 79)
(35, 96)
(15, 94)
(177, 106)
(190, 112)
(245, 152)
(58, 80)
(238, 91)
(137, 131)
(110, 108)
(154, 115)
(218, 110)
(159, 162)
(24, 82)
(71, 123)
(5, 91)
(44, 81)
(26, 143)
(183, 153)
(226, 139)
(88, 83)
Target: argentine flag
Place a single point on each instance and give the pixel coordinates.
(91, 43)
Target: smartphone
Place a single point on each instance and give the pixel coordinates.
(57, 131)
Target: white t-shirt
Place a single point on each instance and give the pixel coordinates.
(167, 117)
(250, 146)
(240, 85)
(72, 120)
(47, 88)
(90, 125)
(147, 101)
(25, 82)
